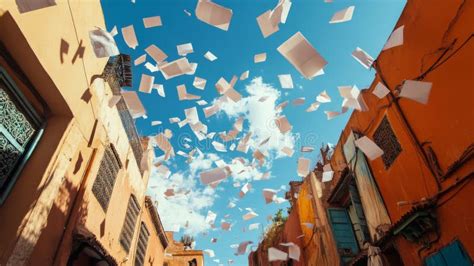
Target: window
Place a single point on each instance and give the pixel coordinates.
(20, 130)
(105, 180)
(385, 138)
(193, 262)
(343, 233)
(142, 245)
(452, 254)
(128, 227)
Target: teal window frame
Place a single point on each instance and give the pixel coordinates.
(36, 121)
(451, 254)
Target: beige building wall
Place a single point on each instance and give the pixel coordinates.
(48, 55)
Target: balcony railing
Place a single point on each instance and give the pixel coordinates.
(118, 74)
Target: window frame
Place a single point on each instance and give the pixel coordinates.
(37, 121)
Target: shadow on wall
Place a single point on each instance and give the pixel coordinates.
(31, 5)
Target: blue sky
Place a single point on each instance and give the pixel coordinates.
(369, 28)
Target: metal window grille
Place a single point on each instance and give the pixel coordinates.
(128, 227)
(386, 139)
(105, 180)
(142, 245)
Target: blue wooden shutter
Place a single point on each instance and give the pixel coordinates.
(452, 254)
(342, 230)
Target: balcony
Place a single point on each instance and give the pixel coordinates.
(118, 73)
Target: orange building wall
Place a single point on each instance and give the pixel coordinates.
(155, 253)
(444, 124)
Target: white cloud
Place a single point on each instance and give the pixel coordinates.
(261, 117)
(187, 206)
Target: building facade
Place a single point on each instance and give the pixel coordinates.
(178, 254)
(74, 171)
(413, 204)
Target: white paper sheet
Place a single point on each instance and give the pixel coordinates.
(418, 91)
(286, 82)
(302, 55)
(343, 15)
(151, 22)
(103, 43)
(369, 148)
(395, 39)
(276, 254)
(363, 58)
(128, 34)
(214, 14)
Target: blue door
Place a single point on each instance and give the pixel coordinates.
(453, 254)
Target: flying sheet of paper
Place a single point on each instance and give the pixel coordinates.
(352, 98)
(225, 226)
(294, 251)
(276, 254)
(146, 83)
(302, 55)
(243, 247)
(214, 14)
(151, 22)
(259, 58)
(163, 143)
(114, 31)
(249, 215)
(281, 106)
(191, 115)
(313, 107)
(280, 12)
(269, 20)
(265, 24)
(140, 60)
(152, 68)
(211, 176)
(211, 110)
(328, 173)
(323, 97)
(369, 148)
(156, 123)
(395, 39)
(343, 15)
(363, 58)
(244, 75)
(184, 95)
(299, 101)
(211, 217)
(288, 151)
(160, 89)
(199, 83)
(332, 114)
(380, 90)
(103, 43)
(169, 192)
(303, 167)
(416, 90)
(184, 49)
(219, 146)
(254, 226)
(283, 124)
(286, 82)
(201, 102)
(176, 68)
(135, 106)
(210, 56)
(268, 195)
(156, 53)
(307, 149)
(210, 253)
(114, 100)
(128, 34)
(245, 188)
